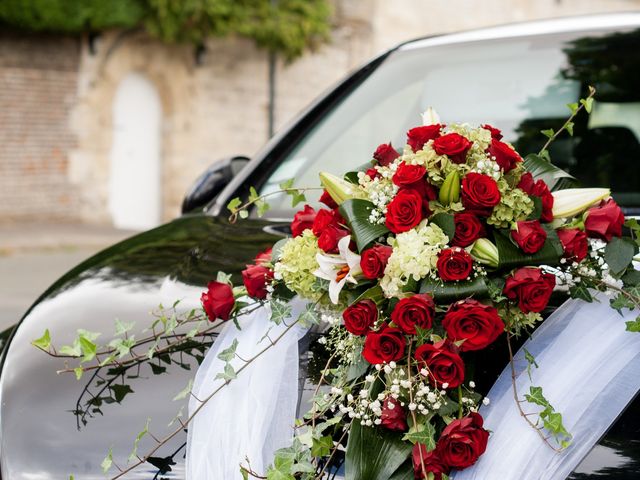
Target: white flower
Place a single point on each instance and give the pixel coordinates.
(339, 269)
(430, 117)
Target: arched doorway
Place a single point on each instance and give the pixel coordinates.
(135, 164)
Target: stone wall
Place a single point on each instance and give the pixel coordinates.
(56, 96)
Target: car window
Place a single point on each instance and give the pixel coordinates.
(617, 454)
(521, 86)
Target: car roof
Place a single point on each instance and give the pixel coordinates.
(530, 28)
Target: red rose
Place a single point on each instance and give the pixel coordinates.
(264, 257)
(329, 238)
(530, 287)
(541, 190)
(385, 154)
(427, 193)
(430, 460)
(417, 310)
(479, 193)
(463, 441)
(454, 264)
(504, 155)
(604, 221)
(574, 243)
(453, 145)
(408, 174)
(302, 220)
(468, 229)
(328, 200)
(529, 236)
(405, 211)
(360, 317)
(322, 220)
(443, 363)
(393, 416)
(218, 300)
(495, 133)
(477, 324)
(384, 346)
(256, 278)
(374, 260)
(418, 136)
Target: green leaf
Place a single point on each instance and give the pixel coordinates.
(445, 222)
(182, 394)
(280, 311)
(234, 204)
(44, 342)
(573, 107)
(633, 325)
(78, 371)
(287, 184)
(107, 462)
(581, 292)
(228, 374)
(309, 316)
(447, 292)
(569, 127)
(631, 278)
(120, 391)
(422, 433)
(548, 133)
(243, 214)
(356, 212)
(535, 396)
(122, 327)
(229, 353)
(322, 446)
(554, 177)
(511, 256)
(619, 254)
(144, 431)
(588, 103)
(374, 453)
(531, 361)
(620, 302)
(89, 349)
(72, 351)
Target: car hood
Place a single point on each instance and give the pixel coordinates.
(41, 438)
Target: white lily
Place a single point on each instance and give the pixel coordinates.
(572, 201)
(430, 117)
(339, 269)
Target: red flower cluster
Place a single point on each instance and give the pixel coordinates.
(531, 288)
(256, 277)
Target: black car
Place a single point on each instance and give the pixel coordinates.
(517, 77)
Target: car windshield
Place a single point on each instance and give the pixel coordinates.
(521, 86)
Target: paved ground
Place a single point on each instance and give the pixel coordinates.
(32, 256)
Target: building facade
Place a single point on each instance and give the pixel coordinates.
(114, 129)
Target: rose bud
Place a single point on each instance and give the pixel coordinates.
(393, 416)
(443, 363)
(529, 235)
(329, 238)
(504, 155)
(405, 211)
(418, 136)
(385, 154)
(384, 346)
(374, 260)
(468, 229)
(463, 441)
(530, 287)
(303, 220)
(407, 174)
(327, 200)
(450, 189)
(574, 243)
(477, 324)
(255, 279)
(604, 221)
(479, 193)
(372, 173)
(430, 462)
(360, 317)
(485, 252)
(218, 300)
(495, 133)
(264, 258)
(453, 145)
(417, 310)
(454, 264)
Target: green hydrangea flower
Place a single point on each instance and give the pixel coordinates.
(296, 266)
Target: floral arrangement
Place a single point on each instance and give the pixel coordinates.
(416, 262)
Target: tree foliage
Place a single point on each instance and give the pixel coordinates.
(283, 26)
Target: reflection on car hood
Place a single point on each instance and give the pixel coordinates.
(39, 435)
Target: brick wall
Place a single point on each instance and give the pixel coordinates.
(38, 83)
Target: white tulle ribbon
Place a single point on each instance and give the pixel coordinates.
(254, 415)
(588, 369)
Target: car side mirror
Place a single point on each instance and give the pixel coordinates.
(212, 181)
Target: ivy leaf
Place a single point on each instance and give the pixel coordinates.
(309, 316)
(619, 254)
(44, 342)
(107, 462)
(122, 327)
(89, 349)
(120, 391)
(287, 184)
(422, 433)
(588, 103)
(229, 353)
(581, 292)
(322, 446)
(134, 452)
(633, 325)
(621, 301)
(228, 374)
(157, 369)
(234, 204)
(182, 394)
(573, 107)
(548, 133)
(531, 361)
(569, 127)
(78, 371)
(280, 311)
(535, 396)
